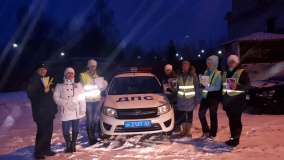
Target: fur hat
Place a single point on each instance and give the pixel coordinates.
(214, 59)
(92, 63)
(69, 69)
(185, 63)
(233, 58)
(168, 66)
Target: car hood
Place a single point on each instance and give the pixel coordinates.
(266, 83)
(135, 101)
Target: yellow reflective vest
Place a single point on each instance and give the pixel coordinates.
(236, 76)
(187, 89)
(92, 93)
(215, 73)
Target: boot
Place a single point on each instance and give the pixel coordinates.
(74, 140)
(188, 127)
(91, 135)
(233, 142)
(184, 129)
(177, 130)
(68, 143)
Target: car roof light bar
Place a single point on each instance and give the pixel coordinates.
(134, 69)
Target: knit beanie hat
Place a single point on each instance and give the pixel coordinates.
(214, 59)
(92, 63)
(168, 66)
(233, 58)
(69, 69)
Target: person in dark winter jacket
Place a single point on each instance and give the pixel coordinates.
(188, 96)
(40, 93)
(169, 81)
(210, 99)
(236, 83)
(69, 96)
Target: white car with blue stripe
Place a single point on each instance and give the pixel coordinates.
(136, 104)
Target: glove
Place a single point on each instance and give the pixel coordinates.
(202, 86)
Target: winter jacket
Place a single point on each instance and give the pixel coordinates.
(69, 97)
(236, 103)
(188, 104)
(43, 106)
(212, 91)
(173, 95)
(92, 91)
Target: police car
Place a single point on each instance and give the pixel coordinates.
(135, 104)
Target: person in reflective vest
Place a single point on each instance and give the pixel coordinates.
(236, 83)
(188, 96)
(93, 85)
(210, 99)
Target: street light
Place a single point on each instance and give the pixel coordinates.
(202, 51)
(15, 45)
(198, 55)
(219, 52)
(62, 54)
(176, 54)
(181, 58)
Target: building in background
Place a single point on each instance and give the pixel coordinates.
(249, 16)
(255, 32)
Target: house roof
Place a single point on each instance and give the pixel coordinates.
(257, 36)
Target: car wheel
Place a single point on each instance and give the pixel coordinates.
(101, 135)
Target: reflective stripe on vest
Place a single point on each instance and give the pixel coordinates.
(205, 92)
(90, 88)
(186, 89)
(231, 92)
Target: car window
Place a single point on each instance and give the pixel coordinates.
(135, 85)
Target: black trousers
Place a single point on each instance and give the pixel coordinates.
(183, 116)
(235, 123)
(43, 136)
(212, 105)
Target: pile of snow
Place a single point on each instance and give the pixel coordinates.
(262, 138)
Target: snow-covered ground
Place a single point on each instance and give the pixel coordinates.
(262, 138)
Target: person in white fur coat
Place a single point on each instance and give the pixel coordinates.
(69, 97)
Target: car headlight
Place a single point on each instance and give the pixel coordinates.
(164, 109)
(266, 93)
(110, 112)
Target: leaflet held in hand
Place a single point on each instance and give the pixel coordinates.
(99, 82)
(230, 81)
(204, 80)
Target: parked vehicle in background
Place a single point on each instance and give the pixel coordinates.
(268, 94)
(135, 104)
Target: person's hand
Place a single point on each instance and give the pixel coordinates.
(46, 89)
(202, 86)
(233, 86)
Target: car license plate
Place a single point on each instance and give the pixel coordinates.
(135, 124)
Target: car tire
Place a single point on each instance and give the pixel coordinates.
(101, 135)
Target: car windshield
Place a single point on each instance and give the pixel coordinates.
(135, 85)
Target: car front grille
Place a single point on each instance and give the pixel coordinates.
(138, 113)
(153, 127)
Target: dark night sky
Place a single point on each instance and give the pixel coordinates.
(151, 23)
